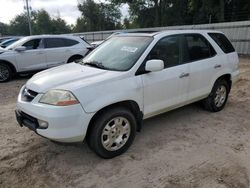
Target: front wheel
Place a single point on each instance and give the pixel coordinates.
(218, 97)
(5, 73)
(112, 132)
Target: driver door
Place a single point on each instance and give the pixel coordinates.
(166, 89)
(33, 58)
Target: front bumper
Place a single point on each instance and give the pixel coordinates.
(235, 76)
(65, 124)
(26, 120)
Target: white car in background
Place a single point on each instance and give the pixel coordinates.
(128, 78)
(95, 44)
(35, 53)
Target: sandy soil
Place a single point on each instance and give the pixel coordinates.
(186, 148)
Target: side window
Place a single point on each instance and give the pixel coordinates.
(33, 44)
(222, 42)
(70, 42)
(54, 43)
(196, 47)
(167, 50)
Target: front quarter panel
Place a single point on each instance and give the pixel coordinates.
(9, 56)
(95, 97)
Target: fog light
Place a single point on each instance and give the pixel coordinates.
(43, 124)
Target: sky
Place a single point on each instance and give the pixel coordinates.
(67, 9)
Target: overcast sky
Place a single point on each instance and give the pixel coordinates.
(67, 9)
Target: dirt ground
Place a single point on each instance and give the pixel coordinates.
(187, 148)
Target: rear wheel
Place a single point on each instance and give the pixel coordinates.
(5, 73)
(218, 97)
(112, 132)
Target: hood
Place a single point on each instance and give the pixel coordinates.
(68, 77)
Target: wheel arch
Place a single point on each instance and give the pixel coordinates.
(227, 78)
(129, 104)
(12, 67)
(75, 56)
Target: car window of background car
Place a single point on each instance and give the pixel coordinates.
(120, 52)
(8, 42)
(196, 47)
(167, 50)
(33, 44)
(16, 44)
(54, 43)
(70, 42)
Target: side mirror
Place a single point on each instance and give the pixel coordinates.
(20, 48)
(154, 65)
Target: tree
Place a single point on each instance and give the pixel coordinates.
(97, 16)
(154, 13)
(43, 23)
(19, 25)
(3, 29)
(126, 23)
(237, 10)
(60, 26)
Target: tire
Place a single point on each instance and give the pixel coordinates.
(217, 99)
(75, 58)
(5, 73)
(104, 131)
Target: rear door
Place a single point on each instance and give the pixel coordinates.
(229, 54)
(204, 63)
(56, 52)
(166, 88)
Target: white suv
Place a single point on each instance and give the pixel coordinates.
(40, 52)
(128, 78)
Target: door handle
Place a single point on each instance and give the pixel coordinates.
(184, 75)
(217, 66)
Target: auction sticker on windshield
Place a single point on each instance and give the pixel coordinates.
(129, 49)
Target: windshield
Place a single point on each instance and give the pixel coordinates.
(8, 42)
(118, 53)
(16, 44)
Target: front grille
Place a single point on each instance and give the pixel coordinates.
(28, 117)
(27, 120)
(28, 95)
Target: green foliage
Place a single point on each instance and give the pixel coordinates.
(41, 22)
(60, 26)
(97, 16)
(154, 13)
(19, 25)
(3, 29)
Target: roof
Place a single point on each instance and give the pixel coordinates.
(51, 36)
(167, 32)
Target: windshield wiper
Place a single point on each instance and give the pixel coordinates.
(94, 64)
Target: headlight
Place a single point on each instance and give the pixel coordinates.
(59, 98)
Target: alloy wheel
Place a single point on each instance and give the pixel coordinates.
(115, 133)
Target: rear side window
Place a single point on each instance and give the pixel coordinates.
(222, 42)
(69, 42)
(54, 42)
(196, 47)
